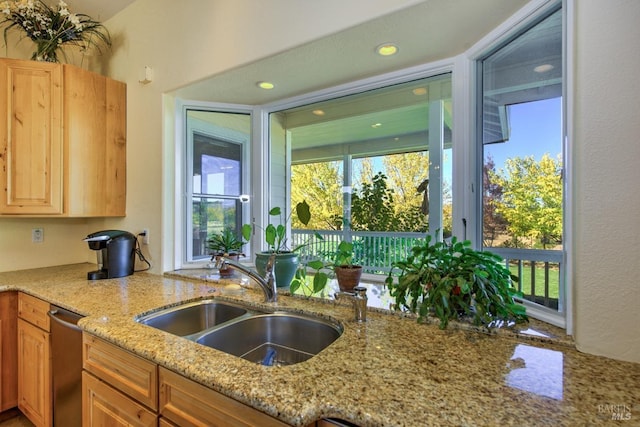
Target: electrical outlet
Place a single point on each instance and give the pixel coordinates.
(37, 235)
(145, 238)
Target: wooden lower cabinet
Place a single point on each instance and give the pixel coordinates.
(186, 402)
(120, 388)
(8, 350)
(34, 360)
(103, 405)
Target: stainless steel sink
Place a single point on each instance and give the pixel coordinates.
(188, 319)
(279, 338)
(273, 339)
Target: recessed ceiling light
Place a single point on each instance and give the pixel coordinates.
(543, 68)
(266, 85)
(318, 112)
(419, 91)
(387, 49)
(376, 125)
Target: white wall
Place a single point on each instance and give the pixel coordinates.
(606, 218)
(183, 41)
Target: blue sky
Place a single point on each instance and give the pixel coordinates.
(536, 129)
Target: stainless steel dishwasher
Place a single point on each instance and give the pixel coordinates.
(66, 355)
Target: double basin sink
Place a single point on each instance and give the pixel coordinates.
(268, 338)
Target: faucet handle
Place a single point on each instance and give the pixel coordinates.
(360, 292)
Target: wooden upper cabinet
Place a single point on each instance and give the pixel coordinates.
(63, 141)
(31, 137)
(95, 144)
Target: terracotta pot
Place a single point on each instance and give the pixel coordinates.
(348, 276)
(228, 271)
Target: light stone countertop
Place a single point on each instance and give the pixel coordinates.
(390, 371)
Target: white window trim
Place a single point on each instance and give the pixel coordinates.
(466, 63)
(181, 168)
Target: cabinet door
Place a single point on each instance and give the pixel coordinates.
(30, 137)
(95, 144)
(34, 374)
(103, 405)
(8, 350)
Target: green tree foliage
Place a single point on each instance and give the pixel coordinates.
(531, 201)
(493, 223)
(372, 206)
(405, 173)
(320, 184)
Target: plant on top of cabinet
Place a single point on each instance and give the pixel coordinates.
(51, 28)
(454, 281)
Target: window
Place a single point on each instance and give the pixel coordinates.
(523, 159)
(372, 165)
(216, 177)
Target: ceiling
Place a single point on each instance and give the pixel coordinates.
(426, 32)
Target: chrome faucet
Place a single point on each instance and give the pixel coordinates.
(359, 299)
(267, 283)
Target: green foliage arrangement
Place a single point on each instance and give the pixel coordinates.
(227, 242)
(51, 28)
(453, 281)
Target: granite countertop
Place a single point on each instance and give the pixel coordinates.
(390, 371)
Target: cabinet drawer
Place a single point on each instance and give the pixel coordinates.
(33, 310)
(186, 402)
(131, 374)
(104, 405)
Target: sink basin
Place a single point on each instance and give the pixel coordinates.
(273, 339)
(194, 317)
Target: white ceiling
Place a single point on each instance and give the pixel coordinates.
(429, 31)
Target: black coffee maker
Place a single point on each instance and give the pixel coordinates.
(116, 253)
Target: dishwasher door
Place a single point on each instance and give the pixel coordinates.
(66, 355)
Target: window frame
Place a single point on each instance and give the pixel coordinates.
(183, 171)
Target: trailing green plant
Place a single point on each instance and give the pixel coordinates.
(319, 282)
(228, 242)
(453, 281)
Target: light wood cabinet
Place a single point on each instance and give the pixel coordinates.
(105, 406)
(8, 350)
(34, 360)
(62, 141)
(186, 402)
(131, 374)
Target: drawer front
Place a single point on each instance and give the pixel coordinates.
(105, 406)
(186, 402)
(131, 374)
(33, 310)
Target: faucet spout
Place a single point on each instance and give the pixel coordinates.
(359, 299)
(267, 283)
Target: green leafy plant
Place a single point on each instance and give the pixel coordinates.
(275, 235)
(453, 281)
(52, 27)
(344, 254)
(319, 282)
(227, 242)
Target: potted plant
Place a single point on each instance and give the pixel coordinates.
(347, 273)
(229, 245)
(454, 281)
(275, 236)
